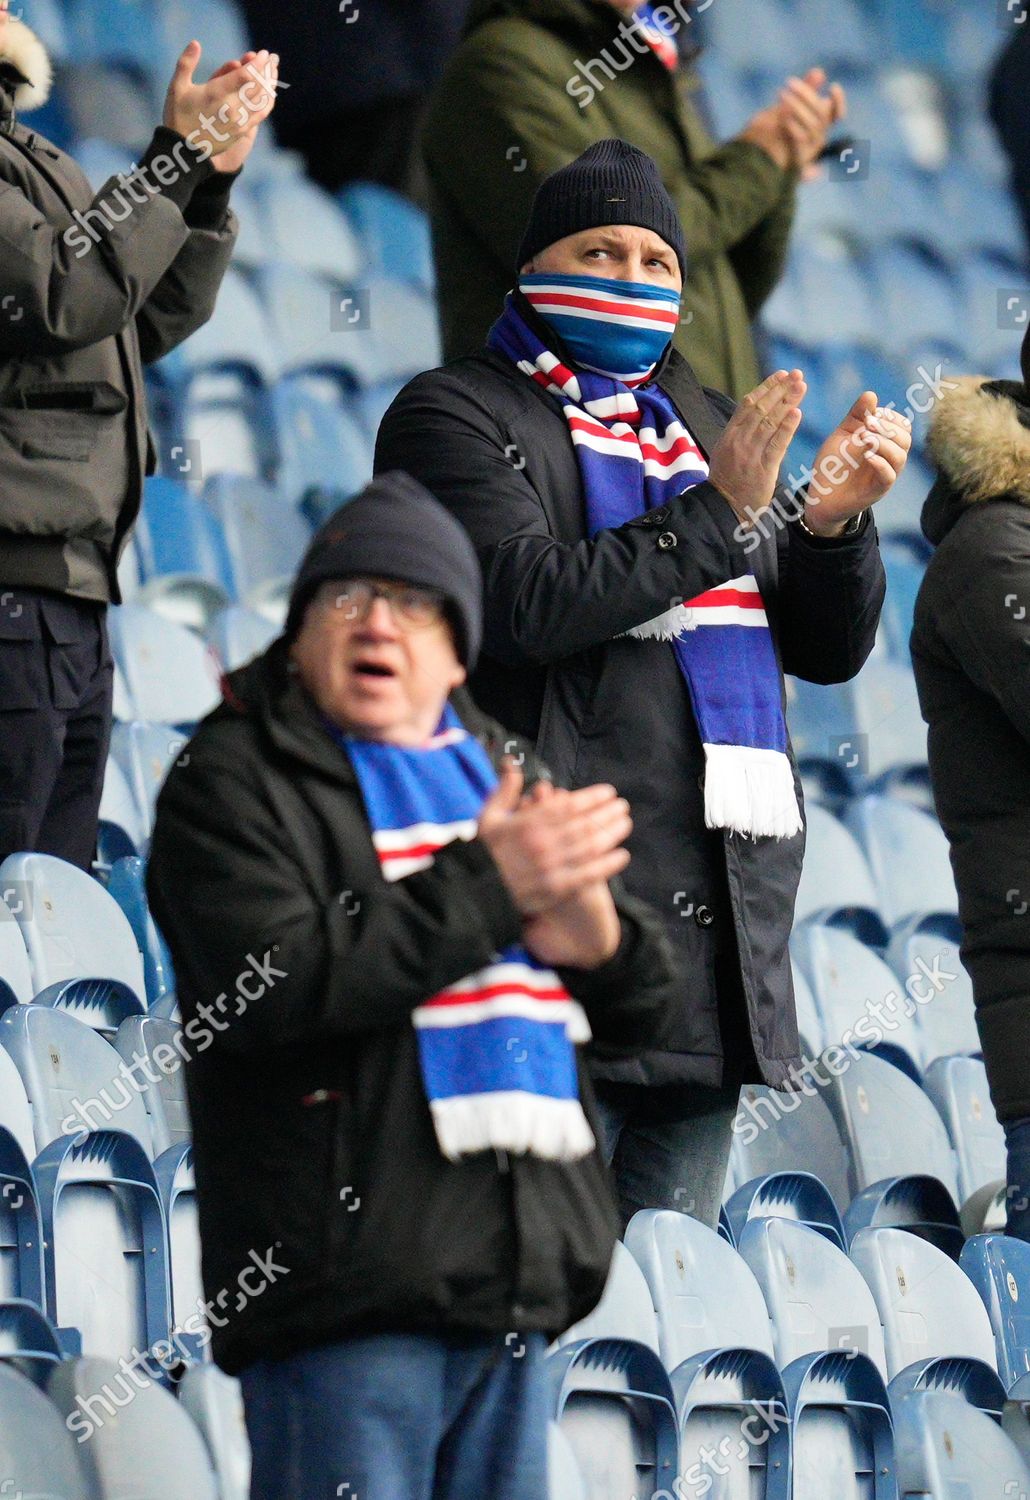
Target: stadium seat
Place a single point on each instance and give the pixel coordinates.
(307, 228)
(15, 969)
(177, 1186)
(136, 1440)
(918, 294)
(999, 1268)
(836, 886)
(624, 1312)
(126, 883)
(958, 1087)
(169, 672)
(185, 559)
(904, 577)
(929, 1309)
(222, 427)
(859, 997)
(830, 298)
(703, 1295)
(73, 931)
(817, 1299)
(890, 1125)
(28, 1340)
(100, 160)
(140, 1038)
(266, 538)
(239, 337)
(114, 31)
(886, 714)
(239, 634)
(215, 1402)
(945, 1447)
(919, 1205)
(21, 1238)
(392, 232)
(38, 1455)
(811, 1034)
(841, 1427)
(564, 1480)
(924, 956)
(118, 809)
(795, 1132)
(103, 99)
(321, 440)
(800, 1197)
(144, 752)
(908, 855)
(614, 1403)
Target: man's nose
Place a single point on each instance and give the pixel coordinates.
(380, 621)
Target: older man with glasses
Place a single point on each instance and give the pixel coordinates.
(398, 1122)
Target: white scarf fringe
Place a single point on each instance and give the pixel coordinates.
(666, 626)
(521, 1123)
(751, 792)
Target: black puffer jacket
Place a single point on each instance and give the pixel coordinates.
(971, 652)
(312, 1135)
(495, 449)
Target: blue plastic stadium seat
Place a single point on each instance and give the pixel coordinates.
(564, 1479)
(218, 25)
(145, 752)
(178, 1188)
(126, 882)
(811, 1032)
(945, 1447)
(184, 557)
(15, 969)
(119, 815)
(614, 1402)
(841, 1426)
(38, 1454)
(136, 1042)
(843, 41)
(169, 671)
(21, 1239)
(239, 337)
(859, 997)
(836, 884)
(904, 576)
(224, 418)
(790, 1132)
(919, 296)
(920, 1205)
(215, 1402)
(999, 1268)
(798, 1196)
(121, 31)
(106, 100)
(988, 281)
(931, 1313)
(625, 1311)
(153, 1438)
(322, 442)
(100, 160)
(891, 1127)
(924, 956)
(73, 931)
(28, 1340)
(908, 855)
(392, 232)
(821, 729)
(886, 713)
(239, 634)
(958, 1087)
(817, 1299)
(983, 212)
(835, 297)
(757, 33)
(308, 229)
(265, 537)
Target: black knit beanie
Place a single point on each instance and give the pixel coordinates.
(394, 528)
(611, 183)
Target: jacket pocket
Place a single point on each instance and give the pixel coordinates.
(343, 1193)
(63, 473)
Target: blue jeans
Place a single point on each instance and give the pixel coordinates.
(668, 1148)
(1017, 1138)
(401, 1417)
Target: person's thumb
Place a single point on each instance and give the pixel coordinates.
(506, 795)
(864, 406)
(187, 64)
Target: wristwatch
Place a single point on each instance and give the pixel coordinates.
(852, 527)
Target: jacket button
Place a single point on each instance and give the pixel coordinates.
(667, 540)
(704, 916)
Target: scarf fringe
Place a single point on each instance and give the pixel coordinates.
(521, 1123)
(751, 791)
(667, 626)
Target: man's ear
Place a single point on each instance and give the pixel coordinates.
(459, 676)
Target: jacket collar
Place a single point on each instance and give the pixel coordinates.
(26, 75)
(981, 450)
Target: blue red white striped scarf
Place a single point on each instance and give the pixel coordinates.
(634, 453)
(497, 1049)
(654, 30)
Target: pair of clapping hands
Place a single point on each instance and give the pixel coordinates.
(223, 116)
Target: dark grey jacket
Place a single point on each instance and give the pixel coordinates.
(495, 449)
(78, 320)
(971, 652)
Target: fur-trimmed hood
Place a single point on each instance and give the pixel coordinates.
(979, 447)
(24, 53)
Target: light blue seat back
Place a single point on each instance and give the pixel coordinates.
(564, 1480)
(392, 232)
(266, 538)
(948, 1449)
(928, 1307)
(38, 1454)
(958, 1087)
(811, 1032)
(145, 753)
(816, 1298)
(137, 1039)
(308, 228)
(704, 1294)
(239, 336)
(835, 876)
(178, 1188)
(168, 669)
(847, 978)
(238, 634)
(15, 1110)
(321, 440)
(891, 1127)
(926, 961)
(215, 1402)
(789, 1132)
(908, 855)
(998, 1265)
(118, 804)
(625, 1311)
(15, 969)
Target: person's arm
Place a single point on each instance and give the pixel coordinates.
(760, 258)
(830, 598)
(184, 298)
(545, 600)
(225, 880)
(627, 999)
(986, 620)
(527, 125)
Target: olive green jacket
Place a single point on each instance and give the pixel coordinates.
(517, 102)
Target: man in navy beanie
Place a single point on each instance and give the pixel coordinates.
(391, 936)
(646, 585)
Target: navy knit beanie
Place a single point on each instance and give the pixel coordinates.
(394, 528)
(611, 183)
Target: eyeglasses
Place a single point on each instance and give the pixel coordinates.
(352, 599)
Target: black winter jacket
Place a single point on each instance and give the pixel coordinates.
(495, 449)
(92, 287)
(313, 1139)
(971, 652)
